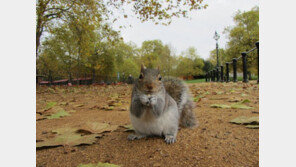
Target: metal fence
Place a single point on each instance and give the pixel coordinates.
(95, 79)
(217, 74)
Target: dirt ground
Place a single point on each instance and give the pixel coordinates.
(215, 142)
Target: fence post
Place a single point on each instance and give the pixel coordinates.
(245, 73)
(249, 74)
(234, 60)
(211, 77)
(257, 46)
(218, 74)
(50, 78)
(227, 72)
(222, 74)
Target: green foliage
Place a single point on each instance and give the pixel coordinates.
(190, 63)
(242, 37)
(50, 12)
(81, 42)
(213, 57)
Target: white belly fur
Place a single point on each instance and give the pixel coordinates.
(147, 124)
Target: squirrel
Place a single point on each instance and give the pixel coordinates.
(159, 105)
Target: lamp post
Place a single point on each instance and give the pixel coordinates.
(216, 37)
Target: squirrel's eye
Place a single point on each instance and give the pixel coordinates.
(159, 78)
(141, 76)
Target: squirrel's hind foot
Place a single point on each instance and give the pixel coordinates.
(135, 136)
(169, 139)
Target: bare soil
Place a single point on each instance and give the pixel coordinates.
(215, 142)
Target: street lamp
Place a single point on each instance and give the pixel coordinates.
(216, 37)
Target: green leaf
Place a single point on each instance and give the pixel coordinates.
(60, 113)
(246, 120)
(100, 164)
(219, 106)
(245, 101)
(219, 93)
(49, 105)
(240, 106)
(197, 98)
(252, 126)
(232, 91)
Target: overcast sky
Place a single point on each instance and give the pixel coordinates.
(183, 33)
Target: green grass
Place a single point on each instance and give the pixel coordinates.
(196, 81)
(240, 78)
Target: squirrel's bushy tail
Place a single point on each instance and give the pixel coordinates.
(179, 91)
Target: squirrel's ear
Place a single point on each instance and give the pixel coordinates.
(143, 67)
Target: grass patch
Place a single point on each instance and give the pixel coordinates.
(196, 81)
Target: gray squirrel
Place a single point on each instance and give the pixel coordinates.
(158, 105)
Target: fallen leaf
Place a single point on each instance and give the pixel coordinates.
(246, 120)
(245, 101)
(128, 128)
(197, 98)
(79, 105)
(64, 103)
(100, 164)
(67, 136)
(60, 113)
(39, 117)
(97, 127)
(220, 106)
(233, 100)
(252, 126)
(240, 106)
(49, 105)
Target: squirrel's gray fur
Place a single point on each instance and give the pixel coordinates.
(158, 105)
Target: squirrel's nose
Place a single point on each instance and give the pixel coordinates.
(150, 87)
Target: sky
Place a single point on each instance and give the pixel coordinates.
(183, 33)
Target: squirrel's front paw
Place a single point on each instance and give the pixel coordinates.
(153, 100)
(169, 139)
(145, 100)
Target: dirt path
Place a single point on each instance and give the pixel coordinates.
(216, 142)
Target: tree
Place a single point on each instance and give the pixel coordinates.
(51, 11)
(207, 66)
(243, 35)
(223, 57)
(190, 64)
